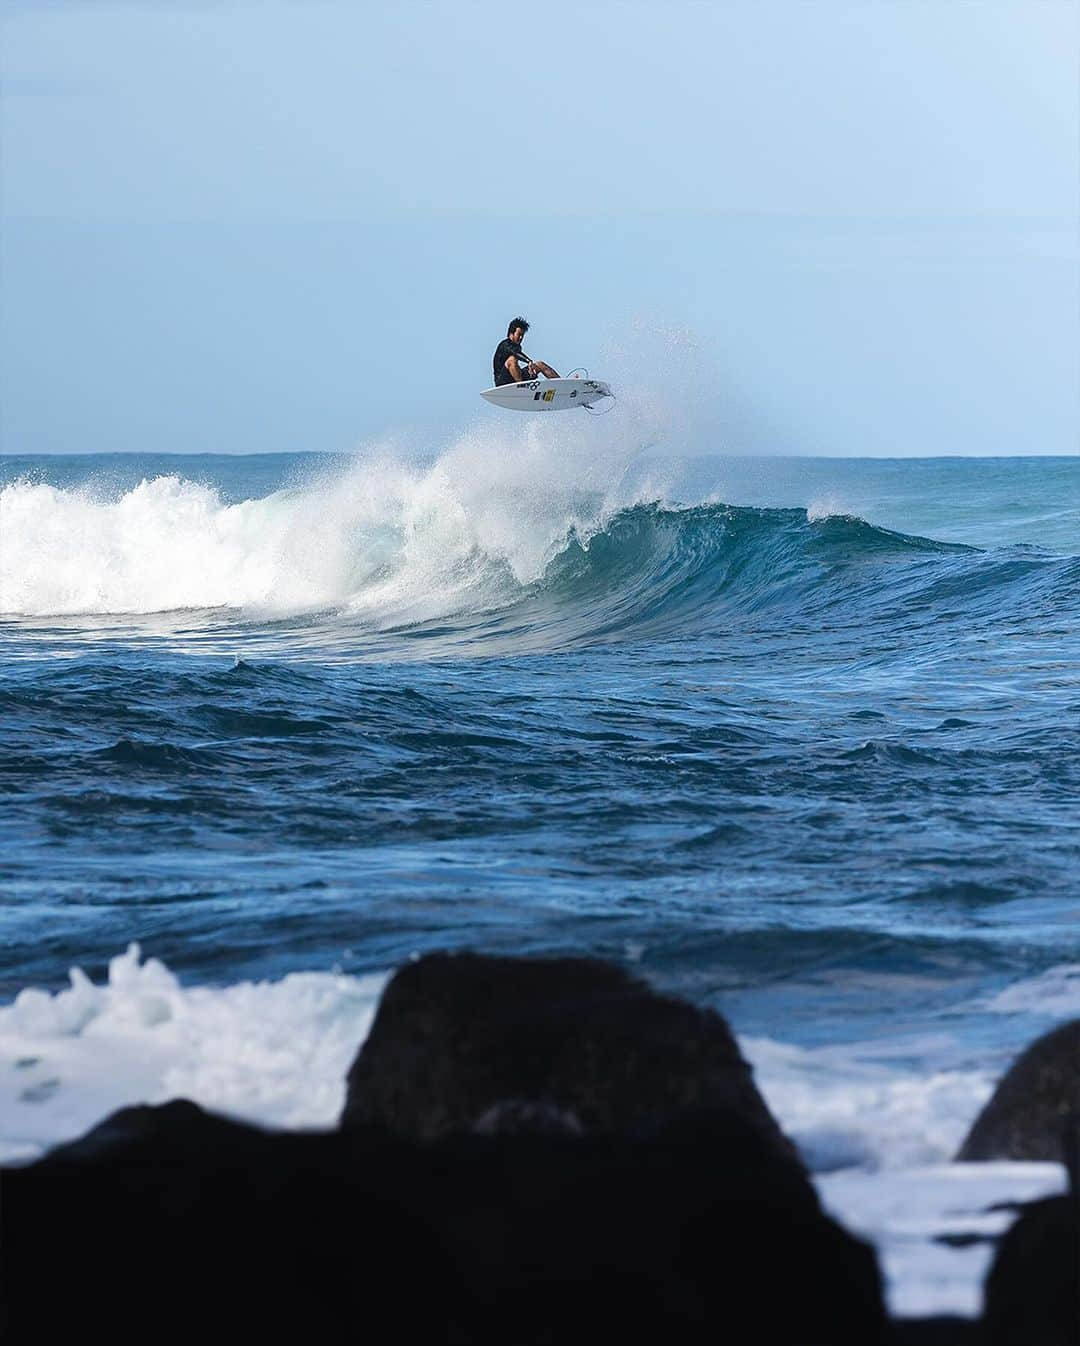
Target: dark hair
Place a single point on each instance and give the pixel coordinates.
(517, 322)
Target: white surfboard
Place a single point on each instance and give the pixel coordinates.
(547, 394)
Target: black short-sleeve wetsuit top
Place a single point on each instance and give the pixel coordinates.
(503, 352)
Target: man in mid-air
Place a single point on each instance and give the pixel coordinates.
(510, 364)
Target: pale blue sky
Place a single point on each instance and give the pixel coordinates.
(245, 227)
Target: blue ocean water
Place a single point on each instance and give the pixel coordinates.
(797, 738)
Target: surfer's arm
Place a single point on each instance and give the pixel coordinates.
(513, 369)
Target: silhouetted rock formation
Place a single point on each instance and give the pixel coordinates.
(943, 1330)
(534, 1152)
(1025, 1116)
(460, 1038)
(171, 1220)
(1033, 1289)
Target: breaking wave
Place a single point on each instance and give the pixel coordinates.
(483, 544)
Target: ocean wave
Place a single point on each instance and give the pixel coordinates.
(467, 550)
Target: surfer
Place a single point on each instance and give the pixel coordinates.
(510, 363)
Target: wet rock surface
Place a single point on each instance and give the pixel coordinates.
(1028, 1111)
(458, 1036)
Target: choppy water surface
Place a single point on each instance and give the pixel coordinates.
(798, 739)
(380, 707)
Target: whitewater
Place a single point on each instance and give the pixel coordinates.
(796, 739)
(384, 534)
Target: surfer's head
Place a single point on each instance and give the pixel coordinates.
(517, 329)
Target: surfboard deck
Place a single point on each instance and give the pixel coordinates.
(547, 394)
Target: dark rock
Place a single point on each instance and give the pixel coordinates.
(1033, 1289)
(171, 1220)
(519, 1117)
(1025, 1116)
(458, 1035)
(944, 1330)
(965, 1238)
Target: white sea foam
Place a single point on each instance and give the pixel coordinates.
(850, 1106)
(385, 532)
(880, 1138)
(879, 1134)
(270, 1052)
(905, 1212)
(1055, 993)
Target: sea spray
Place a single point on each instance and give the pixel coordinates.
(498, 496)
